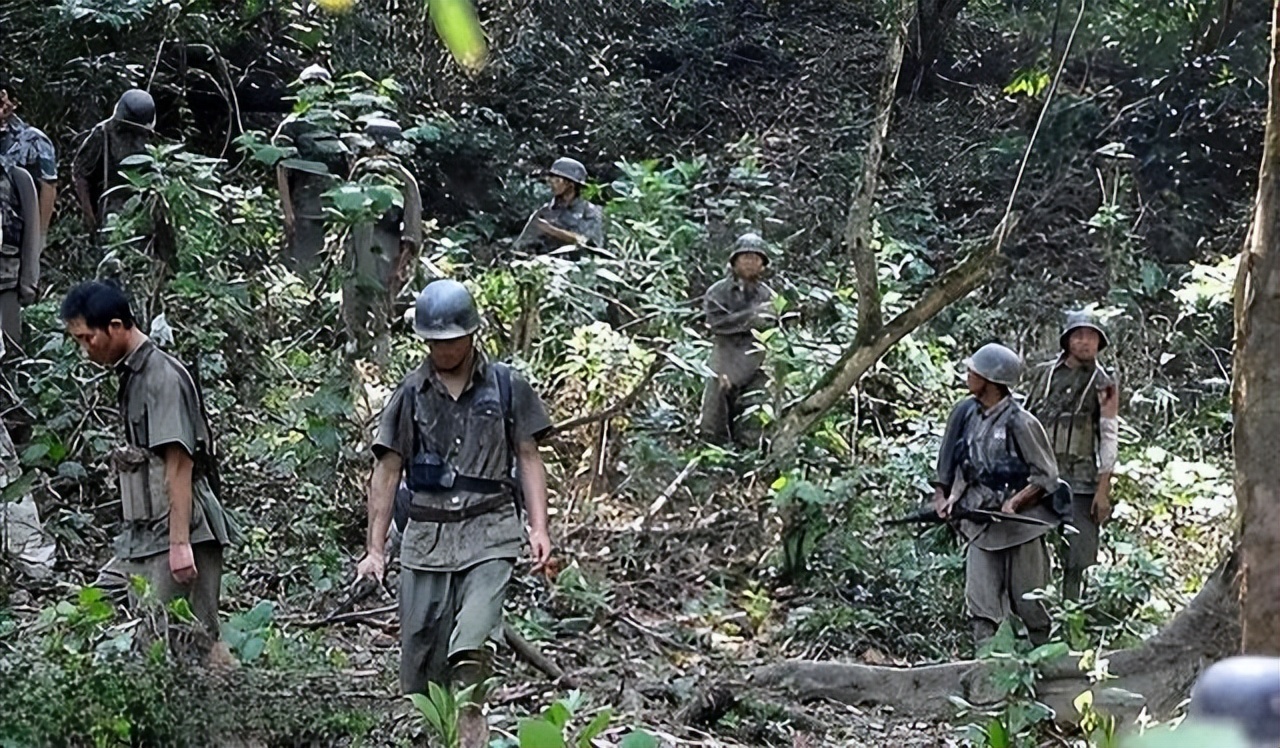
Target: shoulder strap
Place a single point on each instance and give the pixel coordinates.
(503, 374)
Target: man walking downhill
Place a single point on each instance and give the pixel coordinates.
(461, 430)
(1078, 402)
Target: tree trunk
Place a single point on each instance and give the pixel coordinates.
(926, 42)
(1256, 391)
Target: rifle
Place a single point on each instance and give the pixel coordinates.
(927, 515)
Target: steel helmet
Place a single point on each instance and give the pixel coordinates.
(315, 74)
(1077, 320)
(995, 363)
(445, 310)
(1242, 690)
(136, 107)
(570, 169)
(750, 242)
(382, 130)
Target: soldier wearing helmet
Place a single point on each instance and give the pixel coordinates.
(734, 306)
(1241, 693)
(462, 432)
(379, 255)
(28, 186)
(568, 220)
(96, 166)
(1077, 400)
(997, 458)
(321, 161)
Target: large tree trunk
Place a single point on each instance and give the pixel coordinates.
(926, 42)
(1156, 675)
(1256, 391)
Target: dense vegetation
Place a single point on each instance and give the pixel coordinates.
(696, 119)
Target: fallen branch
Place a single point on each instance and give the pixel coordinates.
(532, 655)
(666, 495)
(626, 402)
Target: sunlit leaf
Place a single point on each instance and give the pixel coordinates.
(459, 28)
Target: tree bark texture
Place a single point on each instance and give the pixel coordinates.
(926, 41)
(857, 228)
(1256, 391)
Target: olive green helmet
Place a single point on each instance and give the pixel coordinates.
(750, 243)
(570, 169)
(445, 310)
(136, 107)
(1244, 691)
(1077, 320)
(995, 363)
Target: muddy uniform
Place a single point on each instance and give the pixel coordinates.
(580, 216)
(27, 159)
(733, 309)
(159, 406)
(98, 162)
(1065, 400)
(306, 188)
(461, 542)
(376, 263)
(1004, 449)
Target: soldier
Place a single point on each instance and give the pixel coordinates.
(1243, 692)
(321, 158)
(1002, 463)
(461, 431)
(568, 220)
(28, 186)
(1077, 401)
(735, 306)
(174, 529)
(96, 166)
(380, 254)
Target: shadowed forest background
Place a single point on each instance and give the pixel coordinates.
(685, 570)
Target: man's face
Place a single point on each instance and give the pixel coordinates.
(448, 355)
(1083, 344)
(559, 185)
(8, 105)
(748, 266)
(105, 346)
(975, 382)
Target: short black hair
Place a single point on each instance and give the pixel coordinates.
(6, 85)
(98, 303)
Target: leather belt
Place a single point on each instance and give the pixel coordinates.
(438, 514)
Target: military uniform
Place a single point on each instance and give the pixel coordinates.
(1004, 560)
(460, 544)
(374, 257)
(160, 406)
(306, 188)
(27, 158)
(580, 216)
(1065, 400)
(98, 162)
(733, 309)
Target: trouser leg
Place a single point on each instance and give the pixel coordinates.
(1082, 547)
(10, 321)
(714, 423)
(744, 402)
(426, 613)
(1029, 571)
(985, 595)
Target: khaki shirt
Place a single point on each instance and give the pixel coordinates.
(98, 161)
(580, 216)
(1065, 400)
(1006, 432)
(159, 406)
(733, 309)
(470, 434)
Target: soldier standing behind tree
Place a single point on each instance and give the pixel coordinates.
(322, 158)
(734, 307)
(96, 166)
(1078, 403)
(568, 220)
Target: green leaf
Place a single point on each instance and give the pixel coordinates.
(302, 164)
(639, 739)
(73, 470)
(539, 733)
(1048, 652)
(997, 736)
(596, 726)
(35, 452)
(268, 154)
(19, 488)
(253, 649)
(181, 609)
(558, 714)
(459, 28)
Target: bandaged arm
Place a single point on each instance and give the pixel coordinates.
(1108, 444)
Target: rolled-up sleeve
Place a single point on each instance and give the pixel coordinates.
(945, 475)
(395, 425)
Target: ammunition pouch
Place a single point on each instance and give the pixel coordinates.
(429, 473)
(144, 495)
(10, 267)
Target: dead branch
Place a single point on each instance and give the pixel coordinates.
(532, 655)
(857, 227)
(666, 495)
(619, 407)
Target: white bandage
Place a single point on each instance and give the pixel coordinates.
(1108, 443)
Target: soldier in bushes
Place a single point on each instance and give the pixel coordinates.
(174, 528)
(1004, 464)
(322, 158)
(734, 307)
(461, 431)
(28, 182)
(568, 220)
(1078, 402)
(96, 166)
